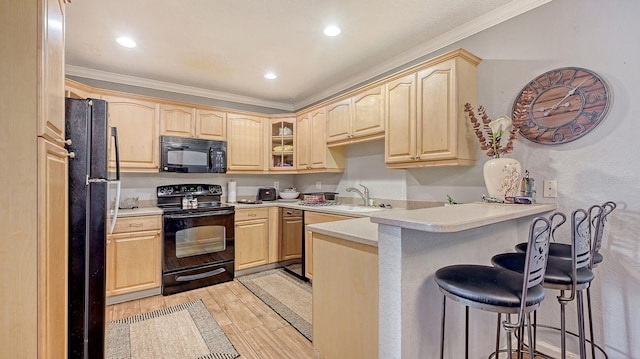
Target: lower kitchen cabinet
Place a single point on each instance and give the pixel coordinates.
(313, 218)
(345, 298)
(256, 237)
(134, 255)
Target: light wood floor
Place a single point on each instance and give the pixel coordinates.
(253, 328)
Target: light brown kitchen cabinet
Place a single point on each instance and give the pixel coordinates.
(246, 143)
(251, 237)
(347, 273)
(425, 119)
(312, 154)
(34, 220)
(314, 218)
(75, 89)
(192, 122)
(53, 247)
(283, 145)
(138, 135)
(177, 120)
(134, 255)
(52, 127)
(356, 119)
(211, 124)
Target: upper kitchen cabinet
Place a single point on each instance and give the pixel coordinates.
(137, 124)
(177, 120)
(356, 119)
(74, 89)
(211, 124)
(52, 57)
(185, 121)
(312, 153)
(282, 149)
(425, 119)
(246, 143)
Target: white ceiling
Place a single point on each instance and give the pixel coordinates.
(222, 48)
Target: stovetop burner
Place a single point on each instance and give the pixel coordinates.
(319, 204)
(207, 196)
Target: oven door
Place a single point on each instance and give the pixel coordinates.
(198, 250)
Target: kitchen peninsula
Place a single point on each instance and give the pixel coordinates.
(410, 246)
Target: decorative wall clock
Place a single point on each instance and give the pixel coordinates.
(567, 103)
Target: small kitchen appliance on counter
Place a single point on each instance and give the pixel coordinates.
(267, 194)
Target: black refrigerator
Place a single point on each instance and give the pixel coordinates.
(86, 127)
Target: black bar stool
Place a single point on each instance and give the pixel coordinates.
(564, 275)
(499, 290)
(563, 251)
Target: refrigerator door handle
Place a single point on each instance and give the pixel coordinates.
(114, 134)
(116, 206)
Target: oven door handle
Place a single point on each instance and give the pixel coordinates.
(201, 214)
(186, 278)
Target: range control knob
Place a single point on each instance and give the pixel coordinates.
(199, 189)
(169, 190)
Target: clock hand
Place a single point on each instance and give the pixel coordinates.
(570, 93)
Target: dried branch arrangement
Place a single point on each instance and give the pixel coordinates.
(491, 132)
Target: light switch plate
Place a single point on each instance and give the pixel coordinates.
(318, 185)
(550, 189)
(276, 184)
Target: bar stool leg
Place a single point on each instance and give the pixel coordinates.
(583, 349)
(591, 335)
(466, 332)
(444, 310)
(563, 344)
(497, 352)
(508, 331)
(532, 348)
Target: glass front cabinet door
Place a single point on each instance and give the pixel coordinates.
(283, 144)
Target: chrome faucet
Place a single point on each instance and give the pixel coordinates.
(365, 195)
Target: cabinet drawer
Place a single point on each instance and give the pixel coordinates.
(253, 213)
(137, 224)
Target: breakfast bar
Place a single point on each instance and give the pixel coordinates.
(411, 246)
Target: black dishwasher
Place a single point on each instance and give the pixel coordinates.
(292, 241)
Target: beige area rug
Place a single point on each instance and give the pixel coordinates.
(186, 331)
(288, 296)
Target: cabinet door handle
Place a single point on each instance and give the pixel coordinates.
(417, 157)
(252, 215)
(65, 142)
(136, 224)
(412, 158)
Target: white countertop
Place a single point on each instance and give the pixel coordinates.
(459, 217)
(360, 230)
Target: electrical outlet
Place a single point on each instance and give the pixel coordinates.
(550, 189)
(276, 184)
(318, 185)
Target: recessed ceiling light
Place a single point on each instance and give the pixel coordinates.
(270, 76)
(126, 42)
(332, 31)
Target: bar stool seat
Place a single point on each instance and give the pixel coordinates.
(499, 290)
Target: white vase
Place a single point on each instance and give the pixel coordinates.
(502, 177)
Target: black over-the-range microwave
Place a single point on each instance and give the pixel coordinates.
(192, 155)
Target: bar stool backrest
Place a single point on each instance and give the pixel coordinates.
(581, 236)
(607, 208)
(537, 252)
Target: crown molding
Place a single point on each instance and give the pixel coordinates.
(490, 19)
(170, 87)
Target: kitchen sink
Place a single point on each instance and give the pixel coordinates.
(361, 209)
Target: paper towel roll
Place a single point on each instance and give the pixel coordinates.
(231, 192)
